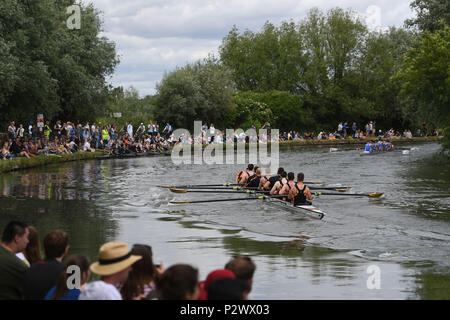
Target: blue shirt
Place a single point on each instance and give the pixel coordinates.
(72, 294)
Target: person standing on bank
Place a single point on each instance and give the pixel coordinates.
(12, 269)
(114, 265)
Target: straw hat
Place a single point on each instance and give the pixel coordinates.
(113, 257)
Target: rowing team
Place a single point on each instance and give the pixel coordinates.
(379, 146)
(281, 184)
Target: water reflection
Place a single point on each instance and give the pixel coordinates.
(61, 197)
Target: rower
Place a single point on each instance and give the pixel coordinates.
(254, 180)
(264, 179)
(279, 184)
(288, 186)
(300, 194)
(380, 145)
(269, 184)
(367, 149)
(243, 176)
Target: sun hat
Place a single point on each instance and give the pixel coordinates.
(113, 257)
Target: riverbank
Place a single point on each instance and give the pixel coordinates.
(24, 163)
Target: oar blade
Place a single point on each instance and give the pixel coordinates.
(375, 195)
(178, 190)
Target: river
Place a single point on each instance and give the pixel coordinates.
(397, 247)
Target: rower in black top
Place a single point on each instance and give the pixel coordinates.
(269, 184)
(278, 185)
(254, 180)
(243, 176)
(288, 186)
(300, 194)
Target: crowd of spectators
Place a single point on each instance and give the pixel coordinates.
(67, 137)
(123, 274)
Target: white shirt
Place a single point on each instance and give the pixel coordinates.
(130, 130)
(100, 290)
(20, 132)
(86, 146)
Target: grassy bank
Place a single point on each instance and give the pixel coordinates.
(25, 163)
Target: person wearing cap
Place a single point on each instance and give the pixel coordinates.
(213, 276)
(114, 265)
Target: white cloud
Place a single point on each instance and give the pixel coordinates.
(153, 36)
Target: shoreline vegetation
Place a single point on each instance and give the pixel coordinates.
(22, 163)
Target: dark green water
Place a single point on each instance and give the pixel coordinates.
(406, 234)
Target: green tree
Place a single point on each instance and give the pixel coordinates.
(47, 68)
(200, 91)
(429, 13)
(425, 78)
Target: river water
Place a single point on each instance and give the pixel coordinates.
(397, 247)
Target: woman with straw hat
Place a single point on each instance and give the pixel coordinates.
(114, 265)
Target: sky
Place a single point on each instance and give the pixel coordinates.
(156, 36)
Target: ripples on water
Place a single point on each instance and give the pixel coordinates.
(99, 201)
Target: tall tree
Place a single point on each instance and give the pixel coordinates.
(51, 69)
(199, 91)
(429, 13)
(425, 78)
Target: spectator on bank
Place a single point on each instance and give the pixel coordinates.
(32, 253)
(12, 130)
(61, 290)
(243, 268)
(114, 265)
(228, 289)
(44, 274)
(142, 278)
(213, 276)
(354, 128)
(12, 269)
(5, 154)
(179, 282)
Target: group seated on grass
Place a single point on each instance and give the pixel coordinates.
(89, 139)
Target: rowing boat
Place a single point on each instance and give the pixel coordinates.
(372, 153)
(305, 209)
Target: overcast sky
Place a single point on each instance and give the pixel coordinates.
(154, 36)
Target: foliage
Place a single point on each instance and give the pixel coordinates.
(425, 78)
(337, 68)
(47, 68)
(429, 13)
(200, 91)
(131, 107)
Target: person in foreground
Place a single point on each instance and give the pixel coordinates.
(12, 269)
(243, 268)
(43, 274)
(179, 282)
(61, 290)
(114, 265)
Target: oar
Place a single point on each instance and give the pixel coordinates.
(217, 185)
(370, 195)
(338, 189)
(218, 200)
(218, 191)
